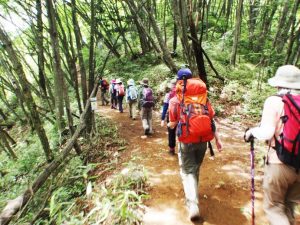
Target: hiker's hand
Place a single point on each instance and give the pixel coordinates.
(248, 135)
(219, 144)
(162, 123)
(172, 125)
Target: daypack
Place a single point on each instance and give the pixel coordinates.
(121, 90)
(112, 89)
(195, 113)
(288, 147)
(132, 93)
(104, 84)
(148, 99)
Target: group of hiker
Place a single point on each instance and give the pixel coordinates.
(190, 117)
(136, 96)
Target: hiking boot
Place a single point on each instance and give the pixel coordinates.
(172, 151)
(147, 131)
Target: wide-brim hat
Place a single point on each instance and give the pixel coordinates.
(118, 81)
(287, 76)
(145, 81)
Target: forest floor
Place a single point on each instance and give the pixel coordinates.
(224, 190)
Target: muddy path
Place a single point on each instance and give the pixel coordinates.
(224, 190)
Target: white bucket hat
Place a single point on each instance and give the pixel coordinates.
(130, 82)
(287, 76)
(118, 81)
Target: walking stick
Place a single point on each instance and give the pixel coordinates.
(252, 154)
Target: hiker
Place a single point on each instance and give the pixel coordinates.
(170, 93)
(104, 86)
(280, 126)
(189, 108)
(113, 94)
(146, 104)
(120, 93)
(131, 98)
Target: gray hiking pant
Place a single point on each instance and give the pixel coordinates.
(146, 116)
(190, 159)
(281, 193)
(132, 109)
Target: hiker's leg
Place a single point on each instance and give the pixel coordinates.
(102, 97)
(149, 117)
(130, 108)
(200, 153)
(293, 197)
(133, 108)
(188, 163)
(277, 179)
(105, 97)
(144, 120)
(120, 102)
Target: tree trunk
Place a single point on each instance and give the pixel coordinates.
(166, 53)
(17, 66)
(73, 63)
(6, 145)
(78, 39)
(180, 15)
(144, 42)
(281, 24)
(58, 74)
(253, 13)
(290, 25)
(40, 47)
(197, 49)
(237, 32)
(90, 114)
(293, 38)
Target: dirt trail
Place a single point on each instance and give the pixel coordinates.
(224, 189)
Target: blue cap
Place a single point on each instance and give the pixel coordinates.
(184, 73)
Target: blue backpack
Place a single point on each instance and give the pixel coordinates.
(132, 93)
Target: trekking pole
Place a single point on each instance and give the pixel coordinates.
(252, 154)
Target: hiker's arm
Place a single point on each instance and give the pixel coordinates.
(173, 114)
(164, 112)
(218, 141)
(269, 120)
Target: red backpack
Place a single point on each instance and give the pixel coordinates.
(104, 84)
(195, 113)
(121, 90)
(288, 147)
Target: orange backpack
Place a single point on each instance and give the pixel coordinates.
(195, 112)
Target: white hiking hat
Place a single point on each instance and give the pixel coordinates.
(118, 81)
(287, 76)
(130, 82)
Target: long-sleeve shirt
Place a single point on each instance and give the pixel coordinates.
(165, 106)
(271, 125)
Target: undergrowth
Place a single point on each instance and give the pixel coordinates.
(66, 198)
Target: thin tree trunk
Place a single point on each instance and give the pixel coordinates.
(197, 49)
(58, 74)
(237, 32)
(90, 114)
(6, 145)
(166, 53)
(78, 39)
